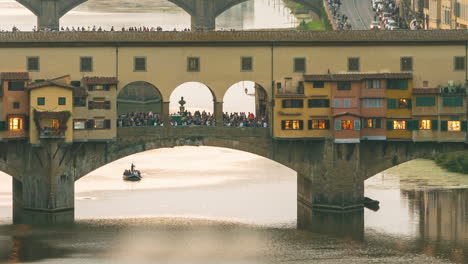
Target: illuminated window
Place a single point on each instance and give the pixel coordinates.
(347, 125)
(292, 124)
(399, 125)
(403, 103)
(425, 124)
(55, 123)
(79, 124)
(454, 126)
(319, 124)
(373, 123)
(15, 124)
(99, 124)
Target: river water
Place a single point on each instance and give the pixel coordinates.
(211, 205)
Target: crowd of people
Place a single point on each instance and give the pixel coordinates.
(198, 118)
(101, 29)
(340, 19)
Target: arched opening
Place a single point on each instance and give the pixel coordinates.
(192, 103)
(246, 104)
(192, 182)
(16, 15)
(139, 104)
(6, 200)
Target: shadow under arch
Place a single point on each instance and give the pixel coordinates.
(251, 89)
(139, 97)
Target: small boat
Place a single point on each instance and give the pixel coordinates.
(371, 204)
(132, 175)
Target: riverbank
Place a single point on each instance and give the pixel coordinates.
(309, 20)
(454, 161)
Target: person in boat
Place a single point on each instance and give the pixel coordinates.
(132, 167)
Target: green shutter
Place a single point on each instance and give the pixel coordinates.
(337, 124)
(463, 126)
(389, 125)
(357, 124)
(391, 103)
(425, 101)
(435, 125)
(409, 125)
(443, 125)
(3, 125)
(416, 125)
(409, 103)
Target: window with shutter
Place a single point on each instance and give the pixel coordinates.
(107, 124)
(357, 124)
(319, 84)
(443, 125)
(292, 124)
(193, 64)
(319, 124)
(16, 86)
(435, 125)
(32, 64)
(3, 125)
(41, 101)
(337, 125)
(389, 125)
(344, 86)
(299, 65)
(406, 63)
(336, 103)
(397, 84)
(353, 64)
(317, 103)
(391, 103)
(464, 126)
(424, 101)
(459, 63)
(452, 101)
(139, 64)
(293, 103)
(347, 103)
(246, 64)
(373, 84)
(86, 64)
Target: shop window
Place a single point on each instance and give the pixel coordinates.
(32, 64)
(373, 84)
(246, 64)
(292, 125)
(344, 86)
(396, 84)
(86, 64)
(62, 101)
(459, 63)
(139, 64)
(319, 84)
(16, 86)
(372, 123)
(452, 101)
(299, 64)
(293, 103)
(16, 105)
(319, 124)
(399, 125)
(406, 63)
(424, 101)
(41, 101)
(15, 124)
(353, 64)
(193, 64)
(79, 124)
(318, 103)
(425, 124)
(372, 103)
(454, 126)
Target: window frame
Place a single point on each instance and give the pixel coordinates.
(300, 125)
(345, 83)
(358, 60)
(39, 99)
(381, 100)
(294, 65)
(450, 129)
(284, 105)
(405, 126)
(23, 86)
(327, 103)
(403, 64)
(374, 121)
(372, 81)
(62, 101)
(82, 58)
(425, 124)
(79, 120)
(198, 64)
(319, 86)
(251, 64)
(135, 58)
(38, 63)
(16, 105)
(463, 59)
(21, 123)
(326, 123)
(425, 97)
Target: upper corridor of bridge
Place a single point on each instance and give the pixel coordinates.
(359, 12)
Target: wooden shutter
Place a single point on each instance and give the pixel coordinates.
(443, 125)
(107, 124)
(327, 124)
(463, 125)
(389, 125)
(90, 124)
(357, 124)
(108, 105)
(26, 123)
(415, 124)
(391, 103)
(435, 125)
(410, 105)
(337, 125)
(3, 125)
(90, 105)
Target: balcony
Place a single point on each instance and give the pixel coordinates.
(51, 132)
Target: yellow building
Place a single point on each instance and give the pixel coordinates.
(51, 110)
(399, 105)
(446, 14)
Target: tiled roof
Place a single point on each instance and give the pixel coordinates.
(220, 37)
(356, 76)
(49, 83)
(100, 80)
(426, 90)
(14, 76)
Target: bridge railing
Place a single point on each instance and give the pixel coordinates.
(174, 132)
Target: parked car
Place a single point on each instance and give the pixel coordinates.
(392, 25)
(375, 25)
(386, 16)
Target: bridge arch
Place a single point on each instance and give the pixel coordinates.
(197, 95)
(139, 97)
(248, 95)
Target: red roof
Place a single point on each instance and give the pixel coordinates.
(100, 80)
(6, 76)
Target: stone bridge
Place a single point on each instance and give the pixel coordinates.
(203, 12)
(330, 176)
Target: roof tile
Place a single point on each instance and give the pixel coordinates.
(99, 80)
(14, 76)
